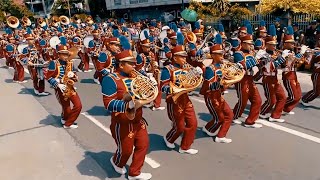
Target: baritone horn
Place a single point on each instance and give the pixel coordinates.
(13, 22)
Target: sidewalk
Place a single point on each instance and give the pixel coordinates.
(32, 148)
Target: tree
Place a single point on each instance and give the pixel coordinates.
(204, 11)
(8, 7)
(238, 13)
(61, 7)
(295, 6)
(222, 6)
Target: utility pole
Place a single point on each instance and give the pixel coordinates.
(182, 5)
(44, 8)
(69, 9)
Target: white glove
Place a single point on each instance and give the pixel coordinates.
(199, 70)
(206, 50)
(62, 87)
(153, 80)
(131, 104)
(303, 49)
(240, 65)
(285, 53)
(70, 74)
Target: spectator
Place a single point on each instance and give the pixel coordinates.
(279, 31)
(298, 34)
(310, 35)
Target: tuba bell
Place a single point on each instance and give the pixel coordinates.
(41, 22)
(55, 21)
(64, 20)
(190, 37)
(25, 21)
(13, 22)
(89, 20)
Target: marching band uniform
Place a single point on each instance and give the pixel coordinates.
(36, 73)
(10, 49)
(181, 113)
(126, 133)
(289, 75)
(260, 41)
(273, 90)
(315, 92)
(212, 91)
(246, 88)
(94, 48)
(55, 75)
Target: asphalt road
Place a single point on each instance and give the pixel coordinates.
(286, 151)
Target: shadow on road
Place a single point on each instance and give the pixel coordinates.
(52, 120)
(98, 111)
(87, 81)
(103, 160)
(205, 116)
(26, 91)
(157, 143)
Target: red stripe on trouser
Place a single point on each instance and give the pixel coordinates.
(18, 72)
(315, 92)
(248, 91)
(157, 101)
(125, 144)
(184, 121)
(294, 94)
(222, 115)
(70, 115)
(276, 98)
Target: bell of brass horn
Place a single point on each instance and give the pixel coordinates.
(89, 20)
(25, 21)
(13, 22)
(55, 21)
(64, 20)
(42, 22)
(191, 37)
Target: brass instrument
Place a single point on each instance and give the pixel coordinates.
(25, 21)
(231, 74)
(188, 82)
(13, 22)
(144, 91)
(69, 82)
(41, 22)
(55, 21)
(190, 37)
(89, 20)
(64, 20)
(154, 68)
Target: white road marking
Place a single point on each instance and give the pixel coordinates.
(290, 131)
(148, 160)
(26, 70)
(276, 126)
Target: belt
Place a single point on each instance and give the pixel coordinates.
(269, 74)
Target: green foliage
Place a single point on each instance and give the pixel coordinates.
(239, 13)
(8, 7)
(61, 7)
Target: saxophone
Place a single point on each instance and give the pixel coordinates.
(68, 82)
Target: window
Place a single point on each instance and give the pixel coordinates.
(143, 1)
(117, 2)
(134, 1)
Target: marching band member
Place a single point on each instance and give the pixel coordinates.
(260, 41)
(212, 91)
(181, 113)
(126, 133)
(199, 33)
(10, 49)
(32, 54)
(315, 92)
(274, 91)
(289, 75)
(61, 77)
(146, 62)
(246, 88)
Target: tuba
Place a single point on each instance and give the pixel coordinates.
(25, 21)
(143, 92)
(55, 21)
(188, 82)
(190, 37)
(13, 22)
(89, 20)
(64, 20)
(231, 73)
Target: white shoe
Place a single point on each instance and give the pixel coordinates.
(204, 129)
(236, 121)
(79, 70)
(87, 70)
(158, 108)
(148, 105)
(189, 151)
(142, 176)
(289, 113)
(255, 125)
(43, 94)
(96, 81)
(304, 103)
(22, 81)
(11, 67)
(73, 126)
(263, 116)
(223, 140)
(276, 120)
(62, 121)
(226, 92)
(117, 169)
(168, 144)
(36, 91)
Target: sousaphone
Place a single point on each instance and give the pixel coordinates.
(142, 36)
(21, 47)
(54, 41)
(25, 21)
(64, 20)
(13, 22)
(86, 40)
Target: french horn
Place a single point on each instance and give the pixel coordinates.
(231, 73)
(13, 22)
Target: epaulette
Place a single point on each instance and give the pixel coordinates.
(114, 76)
